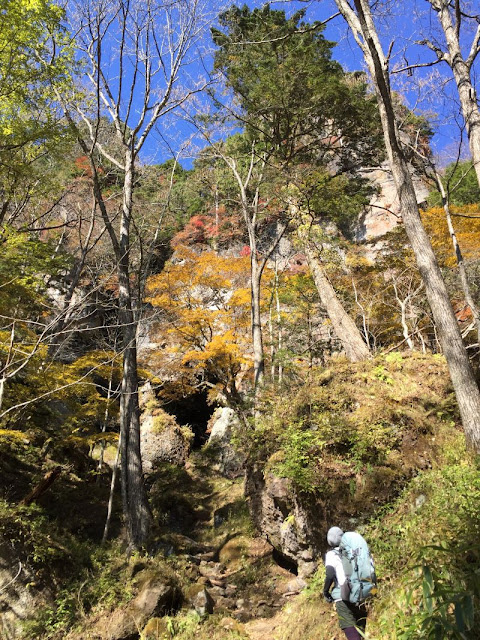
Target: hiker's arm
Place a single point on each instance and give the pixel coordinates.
(329, 580)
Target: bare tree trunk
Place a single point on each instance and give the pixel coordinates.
(106, 415)
(4, 368)
(136, 509)
(112, 491)
(272, 340)
(257, 334)
(459, 256)
(462, 69)
(250, 208)
(463, 379)
(279, 326)
(344, 327)
(364, 316)
(44, 484)
(403, 317)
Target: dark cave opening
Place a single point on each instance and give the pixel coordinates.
(195, 412)
(284, 562)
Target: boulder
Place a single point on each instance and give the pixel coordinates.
(203, 602)
(20, 596)
(155, 598)
(162, 440)
(227, 460)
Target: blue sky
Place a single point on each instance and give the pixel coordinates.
(401, 25)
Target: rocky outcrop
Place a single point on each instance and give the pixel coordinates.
(383, 213)
(284, 520)
(226, 459)
(20, 596)
(155, 598)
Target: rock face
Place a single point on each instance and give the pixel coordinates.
(287, 523)
(383, 213)
(227, 460)
(18, 602)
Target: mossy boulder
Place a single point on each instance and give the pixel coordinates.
(162, 439)
(157, 595)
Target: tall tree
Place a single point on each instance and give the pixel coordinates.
(455, 18)
(133, 54)
(264, 219)
(296, 106)
(361, 21)
(34, 53)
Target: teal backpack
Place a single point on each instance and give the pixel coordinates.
(361, 582)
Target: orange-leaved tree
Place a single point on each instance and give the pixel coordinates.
(455, 233)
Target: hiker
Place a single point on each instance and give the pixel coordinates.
(349, 568)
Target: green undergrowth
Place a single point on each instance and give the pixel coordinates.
(426, 545)
(369, 425)
(51, 551)
(107, 584)
(188, 625)
(104, 582)
(428, 555)
(71, 573)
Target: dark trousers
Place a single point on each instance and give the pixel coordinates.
(351, 617)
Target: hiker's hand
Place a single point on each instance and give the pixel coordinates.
(328, 597)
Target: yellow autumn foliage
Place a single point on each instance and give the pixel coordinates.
(12, 434)
(203, 302)
(466, 222)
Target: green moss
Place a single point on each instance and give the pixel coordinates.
(162, 420)
(383, 413)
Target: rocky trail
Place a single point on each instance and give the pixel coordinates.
(223, 571)
(233, 571)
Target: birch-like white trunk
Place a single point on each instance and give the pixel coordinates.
(461, 67)
(466, 389)
(344, 327)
